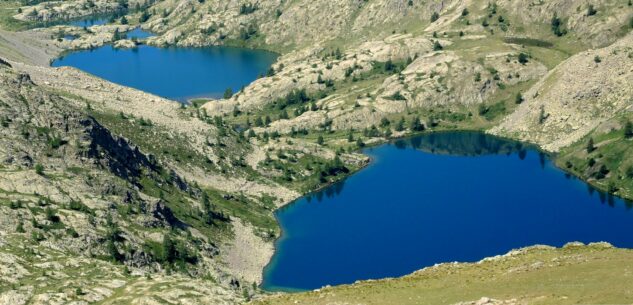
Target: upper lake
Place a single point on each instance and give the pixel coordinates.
(174, 73)
(89, 21)
(437, 198)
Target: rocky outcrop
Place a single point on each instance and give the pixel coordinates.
(115, 153)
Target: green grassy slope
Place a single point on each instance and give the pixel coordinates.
(594, 274)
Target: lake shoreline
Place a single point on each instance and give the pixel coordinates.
(371, 161)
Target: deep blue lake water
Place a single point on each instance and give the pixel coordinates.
(175, 73)
(138, 33)
(438, 198)
(89, 21)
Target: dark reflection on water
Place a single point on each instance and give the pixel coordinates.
(443, 197)
(463, 144)
(88, 22)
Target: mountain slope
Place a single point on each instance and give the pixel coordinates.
(575, 97)
(173, 202)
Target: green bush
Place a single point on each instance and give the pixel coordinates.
(39, 169)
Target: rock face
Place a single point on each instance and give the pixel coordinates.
(114, 153)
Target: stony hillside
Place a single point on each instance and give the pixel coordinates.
(70, 186)
(88, 171)
(575, 97)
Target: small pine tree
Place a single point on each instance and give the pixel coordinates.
(320, 140)
(628, 130)
(542, 115)
(557, 24)
(591, 10)
(465, 12)
(144, 17)
(400, 125)
(590, 146)
(20, 227)
(519, 98)
(435, 16)
(116, 36)
(169, 249)
(437, 46)
(228, 93)
(389, 66)
(416, 125)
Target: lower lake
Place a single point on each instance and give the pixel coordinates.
(174, 73)
(436, 198)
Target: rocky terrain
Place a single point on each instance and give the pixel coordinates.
(55, 11)
(574, 107)
(117, 196)
(81, 174)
